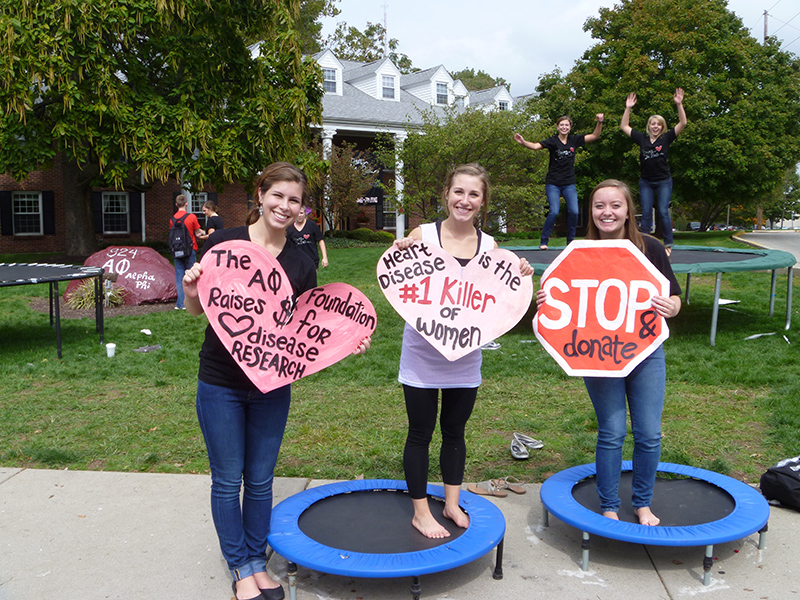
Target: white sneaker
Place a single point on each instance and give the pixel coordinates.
(528, 441)
(518, 449)
(491, 346)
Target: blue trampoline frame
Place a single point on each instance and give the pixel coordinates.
(486, 530)
(750, 513)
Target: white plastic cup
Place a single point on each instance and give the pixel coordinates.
(111, 349)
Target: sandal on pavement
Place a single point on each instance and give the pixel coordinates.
(528, 441)
(510, 483)
(487, 488)
(518, 449)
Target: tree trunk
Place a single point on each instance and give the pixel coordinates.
(759, 216)
(81, 240)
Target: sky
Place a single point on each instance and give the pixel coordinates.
(520, 40)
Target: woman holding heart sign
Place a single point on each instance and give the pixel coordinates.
(655, 180)
(642, 390)
(243, 427)
(424, 370)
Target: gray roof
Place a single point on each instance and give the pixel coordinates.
(361, 69)
(481, 96)
(355, 105)
(414, 78)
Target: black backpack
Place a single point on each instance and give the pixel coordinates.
(180, 242)
(782, 483)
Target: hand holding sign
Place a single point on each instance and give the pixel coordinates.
(455, 308)
(598, 319)
(248, 300)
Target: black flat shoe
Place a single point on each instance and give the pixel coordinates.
(273, 593)
(259, 597)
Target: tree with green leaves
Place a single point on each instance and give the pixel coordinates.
(120, 93)
(478, 81)
(308, 23)
(350, 43)
(451, 137)
(742, 99)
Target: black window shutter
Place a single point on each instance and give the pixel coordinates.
(135, 211)
(97, 211)
(6, 214)
(49, 213)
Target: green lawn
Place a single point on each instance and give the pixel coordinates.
(732, 408)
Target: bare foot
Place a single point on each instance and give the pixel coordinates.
(247, 588)
(457, 516)
(543, 247)
(610, 514)
(429, 527)
(646, 516)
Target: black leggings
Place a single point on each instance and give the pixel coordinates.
(422, 406)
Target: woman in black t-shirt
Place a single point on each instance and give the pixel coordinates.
(242, 427)
(560, 179)
(655, 179)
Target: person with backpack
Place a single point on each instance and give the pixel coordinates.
(182, 244)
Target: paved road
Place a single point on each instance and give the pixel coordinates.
(788, 241)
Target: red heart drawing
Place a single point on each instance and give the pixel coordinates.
(658, 148)
(306, 236)
(457, 309)
(247, 298)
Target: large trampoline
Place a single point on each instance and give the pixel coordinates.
(702, 259)
(52, 274)
(363, 529)
(696, 507)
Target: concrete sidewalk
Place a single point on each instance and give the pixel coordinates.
(93, 535)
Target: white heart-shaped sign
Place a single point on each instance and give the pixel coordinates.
(248, 300)
(455, 308)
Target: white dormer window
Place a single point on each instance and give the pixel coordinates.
(502, 105)
(330, 80)
(388, 86)
(441, 93)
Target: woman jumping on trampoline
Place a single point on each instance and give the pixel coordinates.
(560, 178)
(243, 428)
(655, 180)
(642, 390)
(424, 371)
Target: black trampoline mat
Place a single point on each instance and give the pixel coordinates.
(677, 502)
(372, 522)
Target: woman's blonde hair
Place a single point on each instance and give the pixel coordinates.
(631, 230)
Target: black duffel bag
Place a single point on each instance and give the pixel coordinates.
(782, 483)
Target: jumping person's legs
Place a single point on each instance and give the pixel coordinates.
(570, 194)
(663, 195)
(553, 194)
(646, 198)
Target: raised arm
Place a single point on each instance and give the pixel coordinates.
(682, 121)
(532, 145)
(630, 101)
(598, 129)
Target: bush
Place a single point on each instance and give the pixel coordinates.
(83, 296)
(385, 236)
(364, 234)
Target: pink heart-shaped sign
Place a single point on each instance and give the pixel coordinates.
(455, 308)
(248, 300)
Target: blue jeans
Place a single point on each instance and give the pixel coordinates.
(659, 192)
(644, 390)
(554, 193)
(181, 266)
(243, 431)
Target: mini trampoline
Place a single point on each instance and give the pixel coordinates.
(702, 259)
(363, 529)
(696, 508)
(31, 273)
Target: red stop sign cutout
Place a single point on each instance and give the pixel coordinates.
(597, 320)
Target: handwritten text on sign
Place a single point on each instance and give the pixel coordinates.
(455, 308)
(598, 319)
(248, 300)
